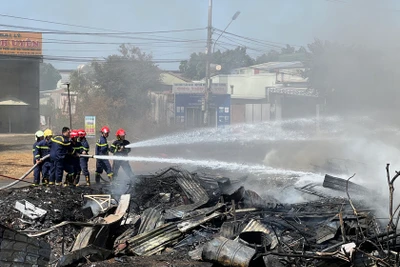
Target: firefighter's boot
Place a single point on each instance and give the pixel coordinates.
(45, 181)
(87, 180)
(111, 177)
(97, 178)
(76, 179)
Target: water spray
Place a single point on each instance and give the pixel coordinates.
(286, 130)
(213, 164)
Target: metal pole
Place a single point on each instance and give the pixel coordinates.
(69, 107)
(227, 26)
(208, 59)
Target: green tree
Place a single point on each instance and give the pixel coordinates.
(195, 67)
(49, 76)
(271, 56)
(116, 91)
(287, 53)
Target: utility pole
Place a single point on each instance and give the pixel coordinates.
(69, 107)
(208, 62)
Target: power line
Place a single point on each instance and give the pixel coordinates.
(255, 40)
(57, 23)
(108, 34)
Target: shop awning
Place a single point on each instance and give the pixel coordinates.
(12, 101)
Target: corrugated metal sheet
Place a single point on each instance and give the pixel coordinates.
(151, 218)
(149, 243)
(190, 224)
(193, 190)
(252, 199)
(204, 211)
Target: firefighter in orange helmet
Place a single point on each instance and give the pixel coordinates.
(118, 148)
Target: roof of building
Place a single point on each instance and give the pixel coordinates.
(178, 75)
(276, 65)
(296, 91)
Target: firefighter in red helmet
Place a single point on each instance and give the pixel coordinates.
(118, 148)
(102, 149)
(85, 150)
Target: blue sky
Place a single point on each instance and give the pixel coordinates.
(295, 22)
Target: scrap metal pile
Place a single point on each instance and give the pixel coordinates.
(207, 220)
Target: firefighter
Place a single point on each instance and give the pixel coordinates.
(59, 149)
(118, 148)
(39, 135)
(102, 150)
(43, 149)
(85, 151)
(73, 159)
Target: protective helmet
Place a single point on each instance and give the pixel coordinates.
(73, 134)
(39, 134)
(81, 133)
(48, 132)
(105, 129)
(120, 132)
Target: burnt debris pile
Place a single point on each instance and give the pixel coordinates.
(195, 219)
(32, 209)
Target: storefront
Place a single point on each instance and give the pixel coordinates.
(21, 55)
(189, 105)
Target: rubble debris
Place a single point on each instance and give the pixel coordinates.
(231, 229)
(340, 184)
(193, 190)
(61, 204)
(29, 210)
(151, 218)
(267, 238)
(150, 243)
(207, 218)
(18, 249)
(228, 252)
(92, 252)
(252, 200)
(103, 203)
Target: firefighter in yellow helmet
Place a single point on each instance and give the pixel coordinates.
(43, 149)
(39, 135)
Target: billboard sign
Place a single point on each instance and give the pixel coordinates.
(21, 43)
(90, 125)
(198, 88)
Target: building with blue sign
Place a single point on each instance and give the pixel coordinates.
(189, 105)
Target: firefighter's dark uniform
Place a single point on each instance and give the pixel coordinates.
(115, 147)
(74, 160)
(38, 169)
(84, 161)
(59, 149)
(42, 149)
(102, 164)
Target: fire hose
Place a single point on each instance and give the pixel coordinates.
(94, 156)
(21, 179)
(12, 178)
(23, 176)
